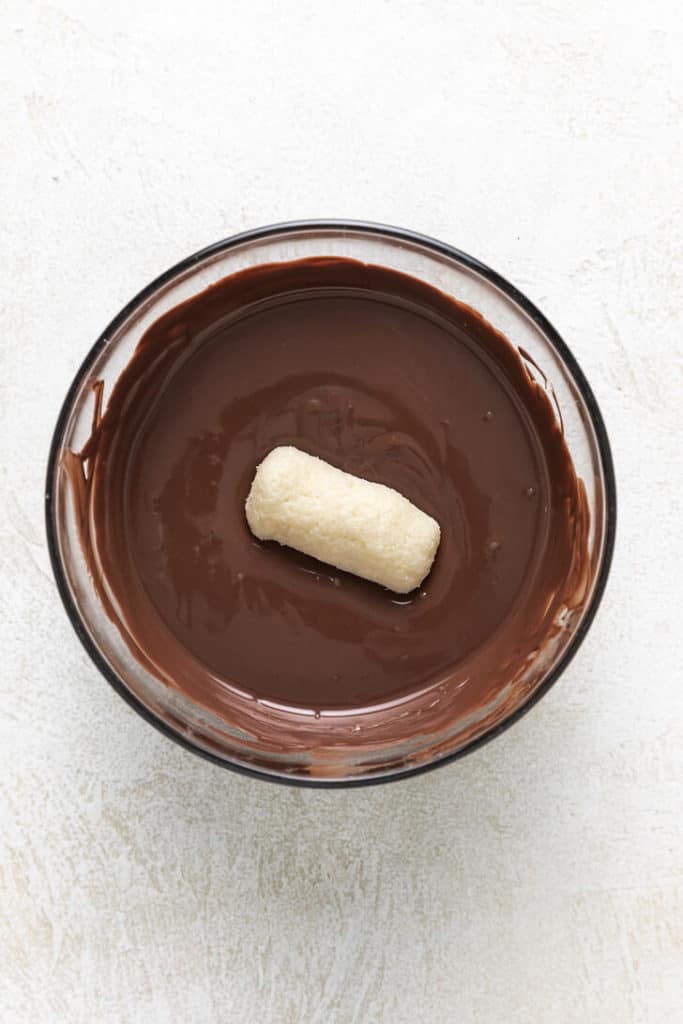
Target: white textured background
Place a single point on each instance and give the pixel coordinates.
(540, 879)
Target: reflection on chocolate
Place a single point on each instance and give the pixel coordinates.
(386, 378)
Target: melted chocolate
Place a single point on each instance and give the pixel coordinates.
(382, 376)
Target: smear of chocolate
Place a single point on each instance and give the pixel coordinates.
(388, 379)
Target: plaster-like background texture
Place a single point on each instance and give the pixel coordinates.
(539, 880)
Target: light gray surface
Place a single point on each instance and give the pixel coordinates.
(541, 878)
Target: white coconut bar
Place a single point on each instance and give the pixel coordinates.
(361, 527)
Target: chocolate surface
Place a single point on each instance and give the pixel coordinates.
(384, 377)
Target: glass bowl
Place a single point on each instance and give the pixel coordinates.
(365, 757)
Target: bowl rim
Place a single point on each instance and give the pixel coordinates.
(399, 234)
